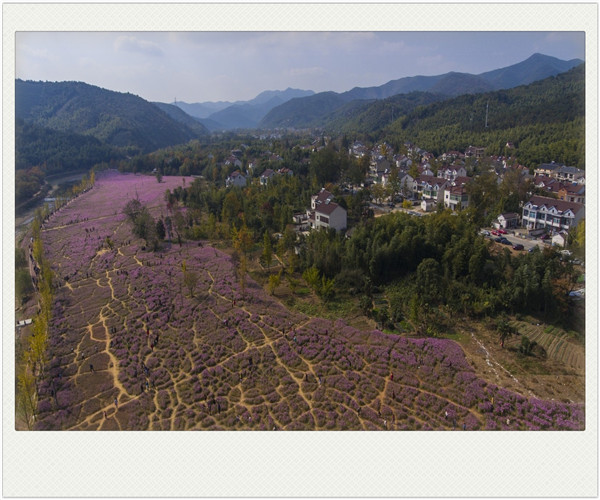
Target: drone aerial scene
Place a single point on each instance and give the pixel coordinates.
(309, 231)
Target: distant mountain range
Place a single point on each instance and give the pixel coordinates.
(224, 115)
(538, 66)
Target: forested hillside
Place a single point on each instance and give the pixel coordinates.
(303, 112)
(368, 117)
(117, 119)
(544, 120)
(58, 151)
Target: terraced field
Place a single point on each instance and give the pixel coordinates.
(558, 345)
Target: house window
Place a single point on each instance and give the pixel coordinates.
(525, 213)
(325, 219)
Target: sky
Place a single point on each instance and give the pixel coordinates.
(231, 66)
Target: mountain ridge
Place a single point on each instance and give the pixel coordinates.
(536, 67)
(117, 119)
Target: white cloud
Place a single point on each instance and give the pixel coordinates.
(133, 44)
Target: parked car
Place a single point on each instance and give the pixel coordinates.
(502, 231)
(518, 246)
(544, 237)
(484, 232)
(504, 241)
(498, 239)
(495, 232)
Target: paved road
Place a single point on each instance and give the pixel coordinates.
(527, 243)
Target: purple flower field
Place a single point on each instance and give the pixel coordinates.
(131, 350)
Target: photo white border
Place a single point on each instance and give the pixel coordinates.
(299, 464)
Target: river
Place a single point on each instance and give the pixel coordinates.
(23, 220)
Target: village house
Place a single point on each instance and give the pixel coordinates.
(406, 183)
(451, 156)
(323, 196)
(554, 215)
(568, 174)
(572, 192)
(451, 173)
(509, 220)
(285, 171)
(358, 149)
(325, 213)
(232, 160)
(379, 166)
(425, 169)
(545, 183)
(402, 161)
(431, 188)
(456, 197)
(547, 169)
(560, 239)
(475, 152)
(236, 179)
(266, 176)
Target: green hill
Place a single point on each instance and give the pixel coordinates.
(372, 116)
(58, 151)
(116, 119)
(545, 121)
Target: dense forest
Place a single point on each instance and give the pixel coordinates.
(114, 118)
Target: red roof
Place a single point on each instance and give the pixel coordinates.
(323, 196)
(327, 208)
(561, 206)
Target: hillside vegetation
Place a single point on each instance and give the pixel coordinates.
(116, 119)
(544, 120)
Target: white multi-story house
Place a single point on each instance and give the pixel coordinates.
(451, 173)
(325, 213)
(456, 197)
(554, 215)
(431, 188)
(330, 215)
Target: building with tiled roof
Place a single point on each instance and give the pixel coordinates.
(554, 215)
